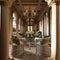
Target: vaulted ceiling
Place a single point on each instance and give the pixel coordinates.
(36, 5)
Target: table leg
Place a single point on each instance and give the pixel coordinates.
(30, 45)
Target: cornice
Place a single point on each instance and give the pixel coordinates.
(57, 1)
(7, 3)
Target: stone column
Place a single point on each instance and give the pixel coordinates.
(21, 30)
(53, 31)
(10, 32)
(11, 23)
(25, 26)
(19, 24)
(4, 38)
(11, 26)
(58, 32)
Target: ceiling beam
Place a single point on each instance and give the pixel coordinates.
(38, 5)
(19, 12)
(18, 3)
(29, 3)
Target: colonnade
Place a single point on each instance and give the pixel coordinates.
(6, 31)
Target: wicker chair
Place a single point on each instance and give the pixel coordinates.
(17, 50)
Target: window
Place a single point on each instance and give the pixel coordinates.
(19, 25)
(46, 24)
(50, 16)
(14, 22)
(29, 28)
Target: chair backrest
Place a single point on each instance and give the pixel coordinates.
(15, 40)
(46, 40)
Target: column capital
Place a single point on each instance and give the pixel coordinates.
(57, 1)
(8, 3)
(11, 13)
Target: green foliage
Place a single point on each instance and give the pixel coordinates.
(36, 34)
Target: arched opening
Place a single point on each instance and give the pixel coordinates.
(14, 23)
